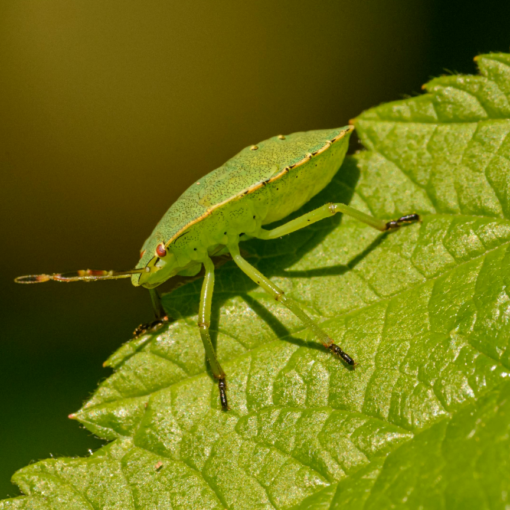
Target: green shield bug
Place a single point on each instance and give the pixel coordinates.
(260, 185)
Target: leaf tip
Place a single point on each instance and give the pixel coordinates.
(72, 416)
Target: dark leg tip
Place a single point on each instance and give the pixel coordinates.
(222, 385)
(409, 218)
(338, 352)
(403, 220)
(140, 330)
(152, 327)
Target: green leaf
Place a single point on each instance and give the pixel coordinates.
(423, 422)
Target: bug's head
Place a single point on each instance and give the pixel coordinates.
(157, 264)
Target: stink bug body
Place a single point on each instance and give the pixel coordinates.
(260, 185)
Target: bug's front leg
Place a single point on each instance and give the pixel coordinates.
(159, 321)
(204, 322)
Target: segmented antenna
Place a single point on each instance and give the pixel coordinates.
(84, 275)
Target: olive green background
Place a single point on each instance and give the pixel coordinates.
(109, 110)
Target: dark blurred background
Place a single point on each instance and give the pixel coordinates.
(109, 110)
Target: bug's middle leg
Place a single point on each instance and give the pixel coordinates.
(279, 296)
(204, 322)
(331, 209)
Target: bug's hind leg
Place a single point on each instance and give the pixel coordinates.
(161, 317)
(331, 209)
(279, 296)
(204, 322)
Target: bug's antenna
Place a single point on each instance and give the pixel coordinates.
(84, 275)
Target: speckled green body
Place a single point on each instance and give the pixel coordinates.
(258, 186)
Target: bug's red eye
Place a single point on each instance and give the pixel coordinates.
(142, 253)
(161, 250)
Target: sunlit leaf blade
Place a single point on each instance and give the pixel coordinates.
(460, 462)
(423, 421)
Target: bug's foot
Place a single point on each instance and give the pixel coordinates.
(151, 327)
(341, 354)
(222, 385)
(403, 220)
